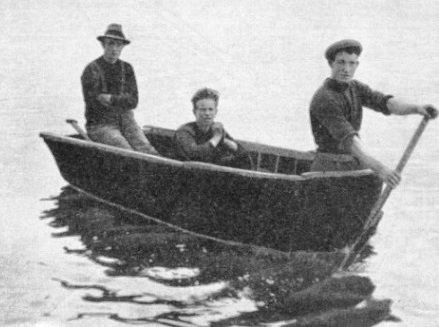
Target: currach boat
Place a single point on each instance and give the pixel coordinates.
(278, 204)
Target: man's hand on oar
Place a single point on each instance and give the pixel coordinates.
(389, 176)
(428, 111)
(393, 177)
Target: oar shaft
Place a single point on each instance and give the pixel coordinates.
(399, 168)
(410, 147)
(372, 220)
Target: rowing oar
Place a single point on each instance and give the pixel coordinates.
(75, 125)
(374, 216)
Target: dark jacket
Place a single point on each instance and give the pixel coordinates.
(117, 79)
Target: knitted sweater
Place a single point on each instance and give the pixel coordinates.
(117, 79)
(336, 113)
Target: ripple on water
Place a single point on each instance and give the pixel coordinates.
(177, 278)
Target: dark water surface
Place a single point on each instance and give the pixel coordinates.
(193, 281)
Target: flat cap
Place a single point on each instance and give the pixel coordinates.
(340, 45)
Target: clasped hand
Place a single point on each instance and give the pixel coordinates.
(105, 99)
(218, 129)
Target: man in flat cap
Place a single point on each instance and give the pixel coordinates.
(336, 112)
(110, 94)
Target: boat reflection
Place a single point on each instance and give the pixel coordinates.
(188, 280)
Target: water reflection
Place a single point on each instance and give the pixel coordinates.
(179, 279)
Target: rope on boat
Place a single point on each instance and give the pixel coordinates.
(258, 250)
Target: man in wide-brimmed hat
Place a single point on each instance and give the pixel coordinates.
(110, 94)
(336, 112)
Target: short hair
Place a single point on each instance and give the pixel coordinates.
(205, 93)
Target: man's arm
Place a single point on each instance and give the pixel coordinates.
(218, 134)
(231, 144)
(388, 104)
(387, 175)
(129, 98)
(222, 138)
(399, 107)
(89, 83)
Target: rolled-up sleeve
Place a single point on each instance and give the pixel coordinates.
(372, 99)
(240, 150)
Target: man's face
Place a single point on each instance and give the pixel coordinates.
(205, 112)
(344, 65)
(112, 49)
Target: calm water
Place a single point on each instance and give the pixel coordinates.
(266, 60)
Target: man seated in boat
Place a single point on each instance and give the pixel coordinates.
(336, 111)
(110, 94)
(206, 140)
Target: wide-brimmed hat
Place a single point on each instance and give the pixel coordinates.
(114, 31)
(340, 45)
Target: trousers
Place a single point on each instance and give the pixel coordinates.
(124, 133)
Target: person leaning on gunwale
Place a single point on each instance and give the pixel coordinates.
(336, 112)
(110, 94)
(206, 140)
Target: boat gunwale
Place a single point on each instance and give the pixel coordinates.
(190, 165)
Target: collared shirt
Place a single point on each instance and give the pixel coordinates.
(336, 113)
